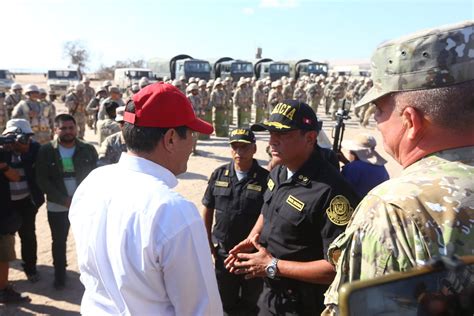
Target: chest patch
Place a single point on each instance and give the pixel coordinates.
(271, 184)
(254, 187)
(339, 211)
(222, 184)
(295, 203)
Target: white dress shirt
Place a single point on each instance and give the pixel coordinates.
(142, 248)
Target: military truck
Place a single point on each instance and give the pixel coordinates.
(229, 67)
(274, 70)
(6, 80)
(306, 67)
(125, 77)
(187, 66)
(60, 80)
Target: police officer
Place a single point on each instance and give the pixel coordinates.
(235, 192)
(307, 205)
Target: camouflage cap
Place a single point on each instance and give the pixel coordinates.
(427, 59)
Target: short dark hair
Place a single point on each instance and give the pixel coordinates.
(110, 108)
(61, 118)
(145, 139)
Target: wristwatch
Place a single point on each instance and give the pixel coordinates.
(272, 269)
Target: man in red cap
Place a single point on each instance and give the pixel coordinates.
(142, 248)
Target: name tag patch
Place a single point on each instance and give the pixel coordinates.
(254, 187)
(294, 202)
(222, 184)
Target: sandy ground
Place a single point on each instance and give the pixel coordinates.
(45, 300)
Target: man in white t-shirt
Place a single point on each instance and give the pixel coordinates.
(142, 248)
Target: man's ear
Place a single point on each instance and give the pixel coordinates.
(413, 121)
(169, 140)
(312, 137)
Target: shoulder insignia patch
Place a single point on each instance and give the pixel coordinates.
(226, 173)
(294, 202)
(271, 184)
(339, 211)
(254, 187)
(223, 184)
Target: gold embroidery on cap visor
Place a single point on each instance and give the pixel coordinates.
(339, 211)
(294, 202)
(276, 125)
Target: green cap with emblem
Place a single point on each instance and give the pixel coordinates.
(433, 58)
(287, 116)
(242, 135)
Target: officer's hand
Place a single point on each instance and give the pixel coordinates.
(245, 245)
(253, 264)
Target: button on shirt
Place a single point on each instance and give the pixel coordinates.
(142, 248)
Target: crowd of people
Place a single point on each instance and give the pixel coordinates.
(280, 240)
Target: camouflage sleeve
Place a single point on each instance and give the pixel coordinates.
(380, 239)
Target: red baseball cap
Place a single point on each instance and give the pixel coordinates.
(163, 105)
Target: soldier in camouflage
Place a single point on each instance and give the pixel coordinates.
(221, 116)
(289, 89)
(327, 93)
(89, 94)
(205, 96)
(360, 111)
(275, 95)
(423, 92)
(300, 93)
(260, 101)
(3, 112)
(336, 95)
(227, 86)
(14, 98)
(114, 95)
(30, 109)
(114, 145)
(195, 99)
(92, 107)
(75, 103)
(108, 126)
(243, 103)
(46, 119)
(314, 94)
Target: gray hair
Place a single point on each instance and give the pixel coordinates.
(451, 107)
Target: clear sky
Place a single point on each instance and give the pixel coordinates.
(34, 31)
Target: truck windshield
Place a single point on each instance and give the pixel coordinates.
(134, 74)
(317, 68)
(63, 74)
(242, 68)
(279, 68)
(3, 74)
(197, 66)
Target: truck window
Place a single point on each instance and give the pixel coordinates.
(242, 68)
(3, 74)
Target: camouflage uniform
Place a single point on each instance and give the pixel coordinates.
(243, 103)
(274, 97)
(260, 102)
(289, 90)
(360, 111)
(12, 100)
(48, 113)
(427, 212)
(106, 128)
(205, 100)
(300, 94)
(227, 87)
(3, 115)
(31, 111)
(337, 93)
(327, 94)
(77, 108)
(111, 149)
(402, 223)
(314, 94)
(221, 119)
(89, 94)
